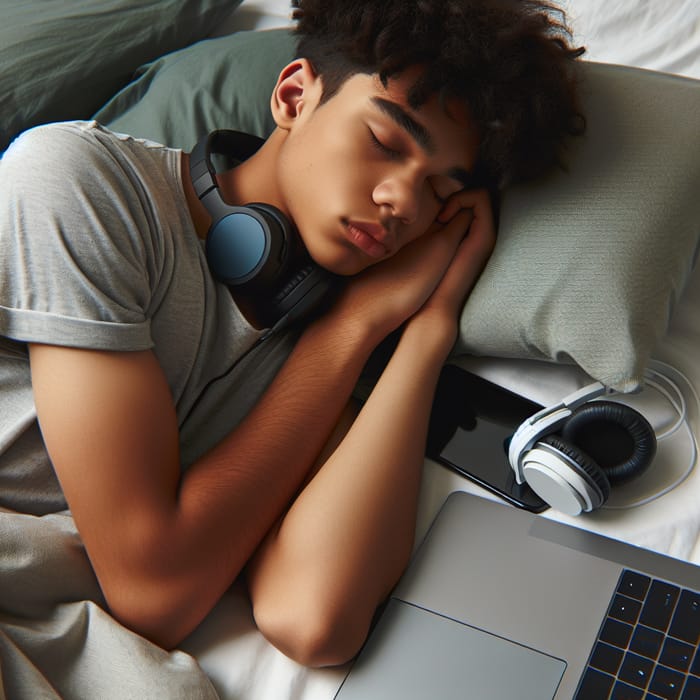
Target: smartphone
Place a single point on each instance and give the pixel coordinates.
(471, 424)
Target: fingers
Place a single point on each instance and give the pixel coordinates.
(481, 222)
(478, 202)
(467, 213)
(469, 260)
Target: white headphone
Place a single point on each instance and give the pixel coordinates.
(554, 451)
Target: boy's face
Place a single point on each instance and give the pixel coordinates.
(363, 174)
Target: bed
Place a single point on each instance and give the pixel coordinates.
(629, 207)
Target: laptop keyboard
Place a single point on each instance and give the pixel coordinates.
(647, 646)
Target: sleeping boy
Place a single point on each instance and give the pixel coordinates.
(191, 446)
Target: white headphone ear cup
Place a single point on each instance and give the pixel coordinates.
(584, 465)
(564, 476)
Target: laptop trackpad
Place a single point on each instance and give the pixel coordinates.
(416, 654)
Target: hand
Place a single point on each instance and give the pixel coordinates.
(468, 210)
(387, 294)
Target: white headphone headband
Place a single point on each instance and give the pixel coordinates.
(546, 421)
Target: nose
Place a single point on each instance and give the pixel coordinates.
(399, 195)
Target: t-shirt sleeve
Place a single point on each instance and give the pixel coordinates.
(78, 243)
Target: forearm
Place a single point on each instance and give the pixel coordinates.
(250, 478)
(227, 501)
(260, 465)
(378, 466)
(349, 534)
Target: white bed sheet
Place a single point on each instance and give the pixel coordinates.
(645, 33)
(659, 35)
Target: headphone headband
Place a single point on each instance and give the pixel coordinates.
(222, 142)
(548, 420)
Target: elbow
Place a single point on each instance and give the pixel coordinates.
(313, 634)
(153, 589)
(158, 601)
(146, 608)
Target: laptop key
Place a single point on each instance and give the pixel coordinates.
(676, 654)
(595, 685)
(616, 633)
(667, 683)
(634, 584)
(622, 691)
(646, 641)
(659, 605)
(625, 609)
(686, 620)
(692, 689)
(636, 670)
(606, 658)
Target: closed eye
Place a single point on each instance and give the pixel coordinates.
(383, 148)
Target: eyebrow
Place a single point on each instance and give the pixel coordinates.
(401, 117)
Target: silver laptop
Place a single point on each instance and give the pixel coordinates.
(502, 604)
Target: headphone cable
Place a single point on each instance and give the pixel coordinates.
(662, 370)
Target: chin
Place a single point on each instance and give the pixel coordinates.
(342, 269)
(344, 262)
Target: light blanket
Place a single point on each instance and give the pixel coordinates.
(57, 641)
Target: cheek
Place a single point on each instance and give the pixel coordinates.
(332, 188)
(320, 164)
(428, 211)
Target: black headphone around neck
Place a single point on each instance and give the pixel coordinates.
(254, 249)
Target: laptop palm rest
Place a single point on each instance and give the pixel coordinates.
(427, 655)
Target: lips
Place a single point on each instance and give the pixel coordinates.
(369, 237)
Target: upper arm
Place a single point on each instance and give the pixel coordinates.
(110, 429)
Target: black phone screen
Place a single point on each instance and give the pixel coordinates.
(471, 424)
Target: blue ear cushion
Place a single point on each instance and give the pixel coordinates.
(278, 231)
(273, 214)
(582, 464)
(618, 438)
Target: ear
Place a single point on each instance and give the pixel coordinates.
(298, 87)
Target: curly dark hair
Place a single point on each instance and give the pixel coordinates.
(511, 61)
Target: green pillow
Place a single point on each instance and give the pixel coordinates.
(62, 59)
(222, 83)
(589, 262)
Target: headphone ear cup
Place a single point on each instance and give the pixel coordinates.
(618, 438)
(584, 465)
(245, 248)
(564, 476)
(299, 284)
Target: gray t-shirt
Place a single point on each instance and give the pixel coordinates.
(98, 250)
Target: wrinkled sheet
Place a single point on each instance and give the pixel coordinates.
(56, 640)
